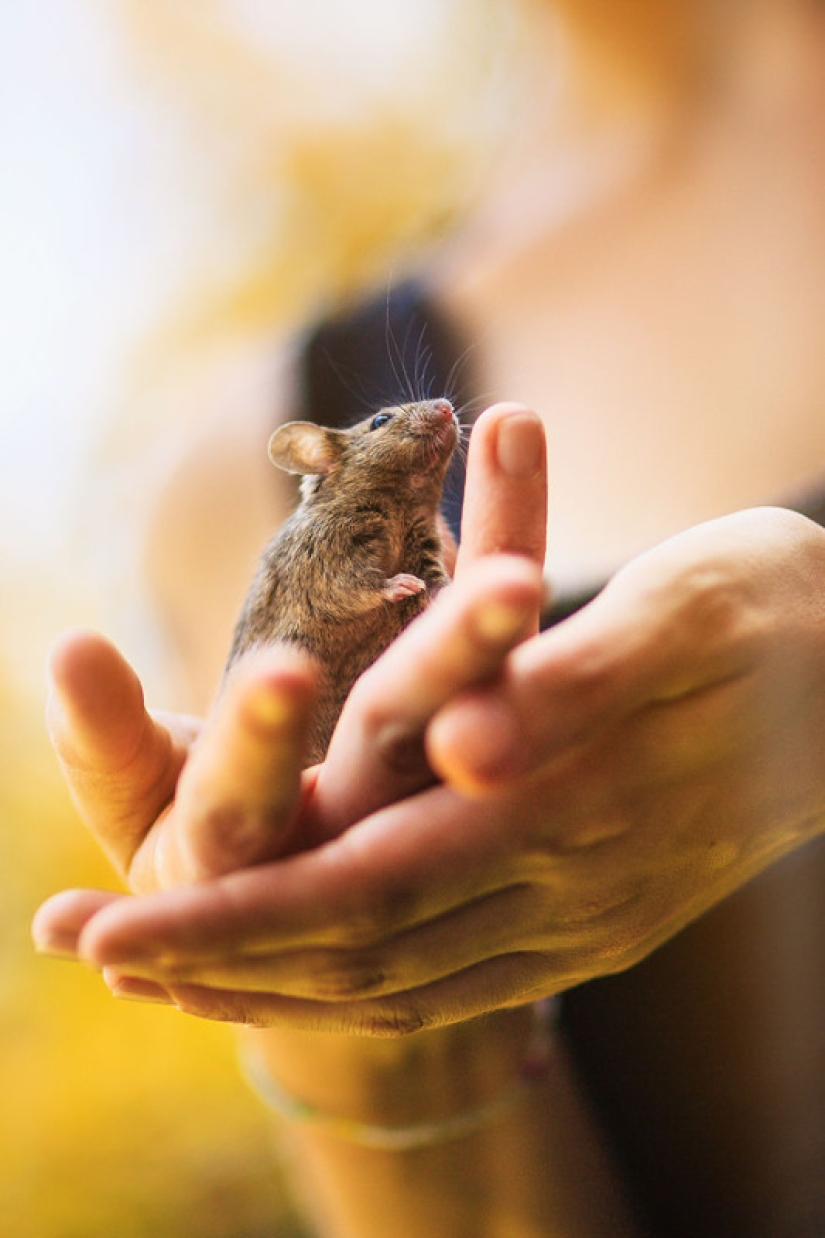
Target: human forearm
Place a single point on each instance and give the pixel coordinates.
(532, 1165)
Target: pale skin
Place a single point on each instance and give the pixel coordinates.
(241, 785)
(685, 694)
(669, 736)
(395, 925)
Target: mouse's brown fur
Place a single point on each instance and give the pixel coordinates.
(362, 553)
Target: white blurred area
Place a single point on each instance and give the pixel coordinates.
(118, 197)
(91, 241)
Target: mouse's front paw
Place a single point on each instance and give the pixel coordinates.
(402, 586)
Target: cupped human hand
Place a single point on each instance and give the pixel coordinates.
(627, 770)
(170, 798)
(174, 800)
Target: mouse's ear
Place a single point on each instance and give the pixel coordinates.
(306, 448)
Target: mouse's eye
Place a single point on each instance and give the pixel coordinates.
(379, 420)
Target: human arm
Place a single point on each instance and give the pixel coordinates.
(701, 665)
(540, 1167)
(537, 1163)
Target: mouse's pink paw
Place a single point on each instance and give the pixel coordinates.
(402, 586)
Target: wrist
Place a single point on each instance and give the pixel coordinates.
(420, 1089)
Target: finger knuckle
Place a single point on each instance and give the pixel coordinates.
(623, 933)
(379, 908)
(714, 601)
(592, 676)
(372, 707)
(365, 928)
(584, 835)
(352, 976)
(393, 1022)
(396, 743)
(401, 748)
(215, 1005)
(370, 928)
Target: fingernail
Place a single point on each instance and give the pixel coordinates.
(520, 448)
(268, 707)
(135, 989)
(55, 943)
(500, 622)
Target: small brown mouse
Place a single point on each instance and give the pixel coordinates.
(362, 554)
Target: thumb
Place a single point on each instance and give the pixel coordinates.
(121, 765)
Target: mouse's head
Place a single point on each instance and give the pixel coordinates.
(408, 445)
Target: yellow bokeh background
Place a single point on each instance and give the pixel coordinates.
(117, 1118)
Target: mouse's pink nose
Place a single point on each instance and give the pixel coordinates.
(444, 407)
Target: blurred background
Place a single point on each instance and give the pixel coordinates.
(181, 184)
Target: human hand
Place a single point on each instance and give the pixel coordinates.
(174, 802)
(668, 748)
(169, 799)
